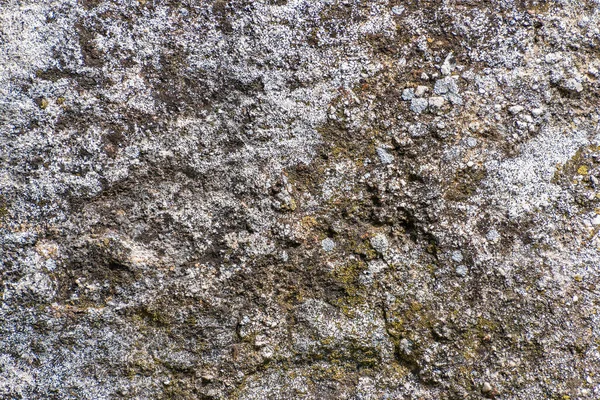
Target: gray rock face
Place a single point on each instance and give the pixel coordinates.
(277, 199)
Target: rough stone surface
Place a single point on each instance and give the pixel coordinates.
(234, 199)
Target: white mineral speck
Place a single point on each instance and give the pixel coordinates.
(384, 156)
(328, 244)
(457, 256)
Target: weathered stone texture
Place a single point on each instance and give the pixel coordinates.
(301, 199)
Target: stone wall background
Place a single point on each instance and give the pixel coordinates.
(299, 199)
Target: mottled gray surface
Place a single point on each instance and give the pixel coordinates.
(237, 199)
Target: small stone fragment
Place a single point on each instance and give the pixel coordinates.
(448, 65)
(436, 102)
(397, 10)
(454, 98)
(457, 256)
(328, 244)
(492, 235)
(486, 388)
(537, 111)
(446, 85)
(418, 105)
(380, 243)
(552, 58)
(471, 142)
(461, 270)
(572, 85)
(526, 117)
(408, 94)
(421, 90)
(406, 347)
(515, 109)
(384, 156)
(449, 89)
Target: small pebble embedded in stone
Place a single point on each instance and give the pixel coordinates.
(384, 156)
(328, 244)
(397, 10)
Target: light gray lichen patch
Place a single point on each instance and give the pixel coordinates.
(328, 244)
(380, 243)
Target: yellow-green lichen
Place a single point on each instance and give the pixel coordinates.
(3, 208)
(347, 276)
(582, 170)
(465, 183)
